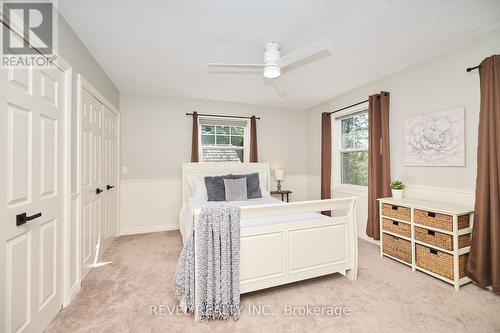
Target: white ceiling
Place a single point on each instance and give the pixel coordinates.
(163, 47)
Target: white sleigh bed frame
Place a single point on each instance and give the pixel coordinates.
(276, 254)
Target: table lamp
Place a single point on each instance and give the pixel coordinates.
(278, 175)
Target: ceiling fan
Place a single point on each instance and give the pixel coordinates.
(274, 63)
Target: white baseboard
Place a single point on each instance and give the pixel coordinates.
(147, 229)
(74, 290)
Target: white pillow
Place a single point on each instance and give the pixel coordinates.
(263, 185)
(198, 188)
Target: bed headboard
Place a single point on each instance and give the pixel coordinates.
(219, 169)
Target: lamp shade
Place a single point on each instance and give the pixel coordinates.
(278, 174)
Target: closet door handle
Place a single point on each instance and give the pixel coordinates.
(109, 187)
(98, 191)
(23, 218)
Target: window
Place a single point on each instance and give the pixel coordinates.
(223, 141)
(353, 148)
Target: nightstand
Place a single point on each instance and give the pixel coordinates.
(283, 193)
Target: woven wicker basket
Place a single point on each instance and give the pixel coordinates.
(397, 212)
(396, 247)
(440, 221)
(440, 239)
(439, 262)
(400, 228)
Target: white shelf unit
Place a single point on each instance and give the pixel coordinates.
(438, 208)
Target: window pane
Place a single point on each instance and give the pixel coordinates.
(222, 140)
(207, 129)
(355, 168)
(237, 130)
(207, 140)
(214, 154)
(222, 130)
(347, 125)
(237, 141)
(355, 131)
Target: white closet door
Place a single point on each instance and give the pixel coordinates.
(108, 222)
(31, 179)
(91, 177)
(98, 176)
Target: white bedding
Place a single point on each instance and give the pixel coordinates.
(187, 213)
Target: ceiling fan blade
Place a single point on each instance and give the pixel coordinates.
(227, 65)
(279, 88)
(297, 56)
(277, 85)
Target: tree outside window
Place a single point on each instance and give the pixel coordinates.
(354, 149)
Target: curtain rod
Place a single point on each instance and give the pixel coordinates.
(358, 103)
(473, 68)
(220, 116)
(350, 106)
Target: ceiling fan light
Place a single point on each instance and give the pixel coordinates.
(272, 71)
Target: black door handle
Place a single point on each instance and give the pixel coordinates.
(109, 187)
(23, 218)
(98, 191)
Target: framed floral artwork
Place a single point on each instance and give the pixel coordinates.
(436, 139)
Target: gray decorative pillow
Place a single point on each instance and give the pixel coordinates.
(216, 190)
(236, 189)
(253, 184)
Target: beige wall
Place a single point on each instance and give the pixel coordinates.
(156, 134)
(438, 84)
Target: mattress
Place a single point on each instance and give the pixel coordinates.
(188, 209)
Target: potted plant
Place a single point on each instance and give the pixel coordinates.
(397, 189)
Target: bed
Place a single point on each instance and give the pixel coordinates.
(280, 242)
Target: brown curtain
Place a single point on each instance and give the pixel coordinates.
(326, 157)
(379, 167)
(194, 141)
(253, 140)
(484, 258)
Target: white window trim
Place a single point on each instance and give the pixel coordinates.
(246, 136)
(336, 184)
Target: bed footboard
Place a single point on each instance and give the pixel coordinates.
(276, 254)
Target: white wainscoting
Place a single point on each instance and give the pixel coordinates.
(151, 205)
(452, 195)
(296, 183)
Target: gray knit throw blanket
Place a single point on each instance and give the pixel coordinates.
(218, 257)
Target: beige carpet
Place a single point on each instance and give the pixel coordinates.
(388, 297)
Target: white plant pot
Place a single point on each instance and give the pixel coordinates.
(397, 194)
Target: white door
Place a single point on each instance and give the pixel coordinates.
(31, 178)
(108, 222)
(92, 113)
(98, 175)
